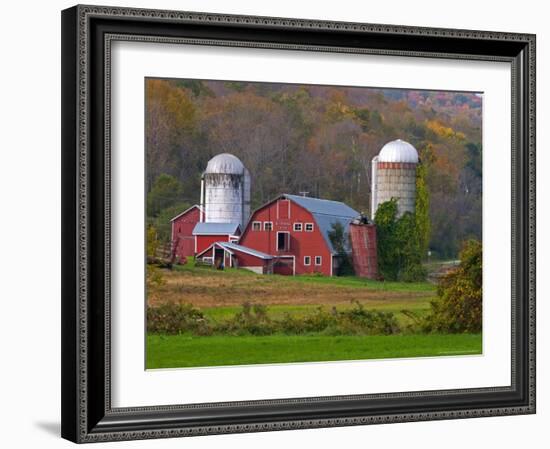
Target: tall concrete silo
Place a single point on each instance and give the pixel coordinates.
(394, 176)
(225, 190)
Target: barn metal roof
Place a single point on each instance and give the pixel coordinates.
(208, 228)
(326, 213)
(320, 206)
(230, 247)
(244, 249)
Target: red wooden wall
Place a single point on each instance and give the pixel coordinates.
(204, 241)
(183, 241)
(248, 260)
(302, 243)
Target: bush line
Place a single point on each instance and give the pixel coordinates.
(253, 319)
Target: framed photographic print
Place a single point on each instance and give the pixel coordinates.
(276, 224)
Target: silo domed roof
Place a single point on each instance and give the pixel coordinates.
(398, 151)
(225, 163)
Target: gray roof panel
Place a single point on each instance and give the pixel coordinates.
(325, 223)
(206, 228)
(326, 213)
(326, 207)
(245, 249)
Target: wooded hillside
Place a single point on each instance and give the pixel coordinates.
(317, 139)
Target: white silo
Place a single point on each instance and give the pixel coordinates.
(394, 176)
(225, 190)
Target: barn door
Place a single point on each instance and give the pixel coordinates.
(283, 209)
(284, 266)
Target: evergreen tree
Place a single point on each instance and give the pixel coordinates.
(166, 192)
(337, 236)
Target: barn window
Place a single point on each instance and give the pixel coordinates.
(256, 225)
(268, 226)
(318, 260)
(309, 227)
(283, 241)
(307, 260)
(298, 227)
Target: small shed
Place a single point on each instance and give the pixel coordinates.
(207, 233)
(229, 254)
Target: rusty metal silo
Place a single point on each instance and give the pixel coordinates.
(362, 235)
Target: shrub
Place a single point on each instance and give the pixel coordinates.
(173, 318)
(153, 277)
(318, 321)
(360, 321)
(253, 319)
(153, 242)
(458, 307)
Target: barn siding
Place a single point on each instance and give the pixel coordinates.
(183, 241)
(249, 261)
(302, 243)
(204, 241)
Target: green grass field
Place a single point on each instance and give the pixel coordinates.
(220, 295)
(336, 281)
(172, 351)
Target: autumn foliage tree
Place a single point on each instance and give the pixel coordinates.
(458, 307)
(170, 123)
(321, 140)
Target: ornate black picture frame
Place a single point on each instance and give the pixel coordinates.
(87, 33)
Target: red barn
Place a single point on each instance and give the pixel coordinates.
(207, 233)
(295, 230)
(183, 241)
